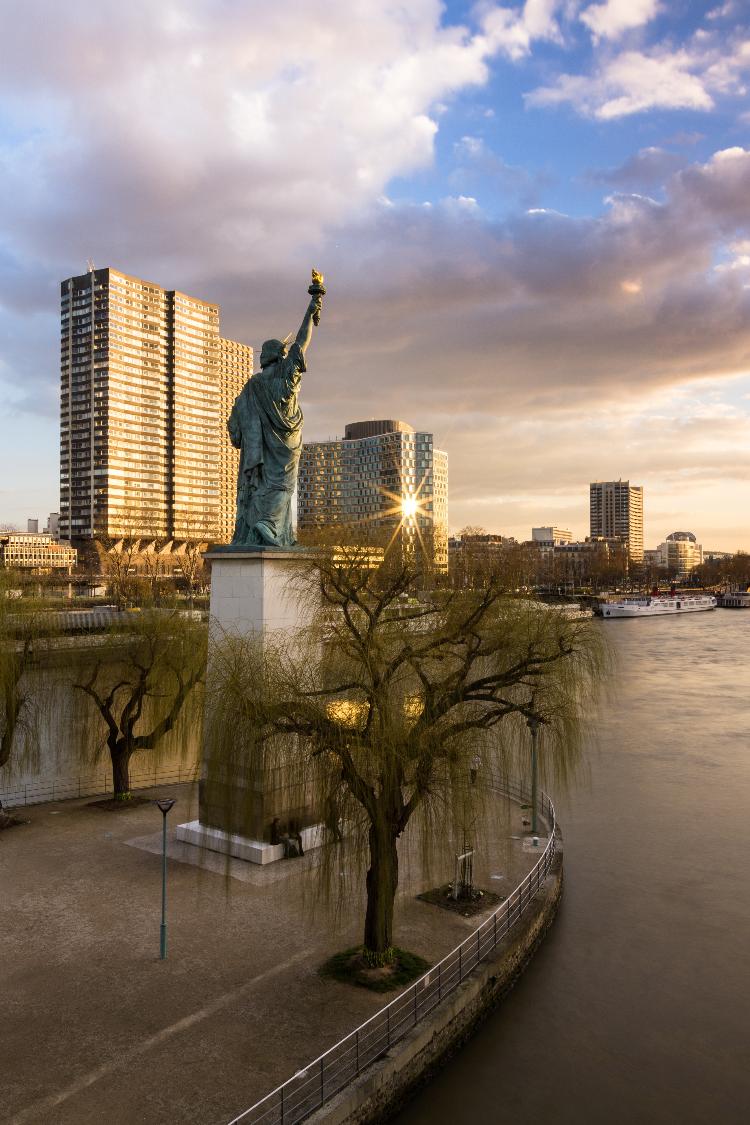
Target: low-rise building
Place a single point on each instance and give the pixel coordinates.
(596, 555)
(471, 556)
(549, 537)
(38, 553)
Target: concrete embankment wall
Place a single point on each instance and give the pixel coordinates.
(384, 1087)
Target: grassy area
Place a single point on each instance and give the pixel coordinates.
(350, 967)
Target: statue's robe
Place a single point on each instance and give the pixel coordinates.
(266, 426)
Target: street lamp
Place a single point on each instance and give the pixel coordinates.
(533, 723)
(164, 805)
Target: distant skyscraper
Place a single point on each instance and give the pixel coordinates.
(617, 513)
(144, 379)
(382, 475)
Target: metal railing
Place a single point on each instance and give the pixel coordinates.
(91, 785)
(320, 1080)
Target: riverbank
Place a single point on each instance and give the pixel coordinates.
(384, 1087)
(237, 1007)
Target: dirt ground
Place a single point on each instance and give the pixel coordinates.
(95, 1028)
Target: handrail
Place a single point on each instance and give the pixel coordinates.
(320, 1080)
(90, 785)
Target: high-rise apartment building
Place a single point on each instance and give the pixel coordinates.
(144, 381)
(384, 476)
(616, 512)
(235, 368)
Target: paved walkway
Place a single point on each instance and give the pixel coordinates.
(96, 1029)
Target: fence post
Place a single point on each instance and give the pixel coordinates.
(281, 1095)
(415, 1002)
(322, 1096)
(388, 1025)
(356, 1044)
(494, 924)
(440, 983)
(460, 965)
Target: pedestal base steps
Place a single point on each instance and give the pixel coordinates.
(241, 847)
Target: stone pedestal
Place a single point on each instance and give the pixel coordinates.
(254, 592)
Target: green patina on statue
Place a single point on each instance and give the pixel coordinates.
(266, 426)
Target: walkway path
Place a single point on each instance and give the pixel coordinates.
(95, 1028)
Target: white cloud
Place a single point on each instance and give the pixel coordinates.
(613, 17)
(634, 81)
(631, 82)
(303, 117)
(513, 30)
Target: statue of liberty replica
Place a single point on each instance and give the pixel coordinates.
(266, 426)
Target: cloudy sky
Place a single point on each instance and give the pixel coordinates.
(534, 221)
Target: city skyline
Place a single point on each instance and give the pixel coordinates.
(533, 220)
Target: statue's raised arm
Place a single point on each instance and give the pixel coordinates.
(266, 425)
(312, 315)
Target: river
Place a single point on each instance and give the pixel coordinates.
(636, 1009)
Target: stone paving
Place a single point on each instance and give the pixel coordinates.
(96, 1029)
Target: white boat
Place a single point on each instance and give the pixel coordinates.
(657, 605)
(734, 599)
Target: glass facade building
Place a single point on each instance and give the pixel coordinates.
(382, 476)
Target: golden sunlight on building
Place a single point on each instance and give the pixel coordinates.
(146, 384)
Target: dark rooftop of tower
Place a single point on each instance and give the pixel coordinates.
(373, 428)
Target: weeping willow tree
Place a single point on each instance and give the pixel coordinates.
(381, 706)
(137, 683)
(24, 630)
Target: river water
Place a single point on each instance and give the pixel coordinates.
(636, 1009)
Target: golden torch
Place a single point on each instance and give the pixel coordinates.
(317, 289)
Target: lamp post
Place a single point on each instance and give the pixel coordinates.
(164, 805)
(533, 724)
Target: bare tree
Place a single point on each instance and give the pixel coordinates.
(384, 702)
(190, 553)
(138, 684)
(151, 563)
(118, 556)
(734, 571)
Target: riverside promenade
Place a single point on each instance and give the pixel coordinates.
(96, 1028)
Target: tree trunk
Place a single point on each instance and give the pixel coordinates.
(382, 881)
(120, 773)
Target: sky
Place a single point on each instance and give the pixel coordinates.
(534, 222)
